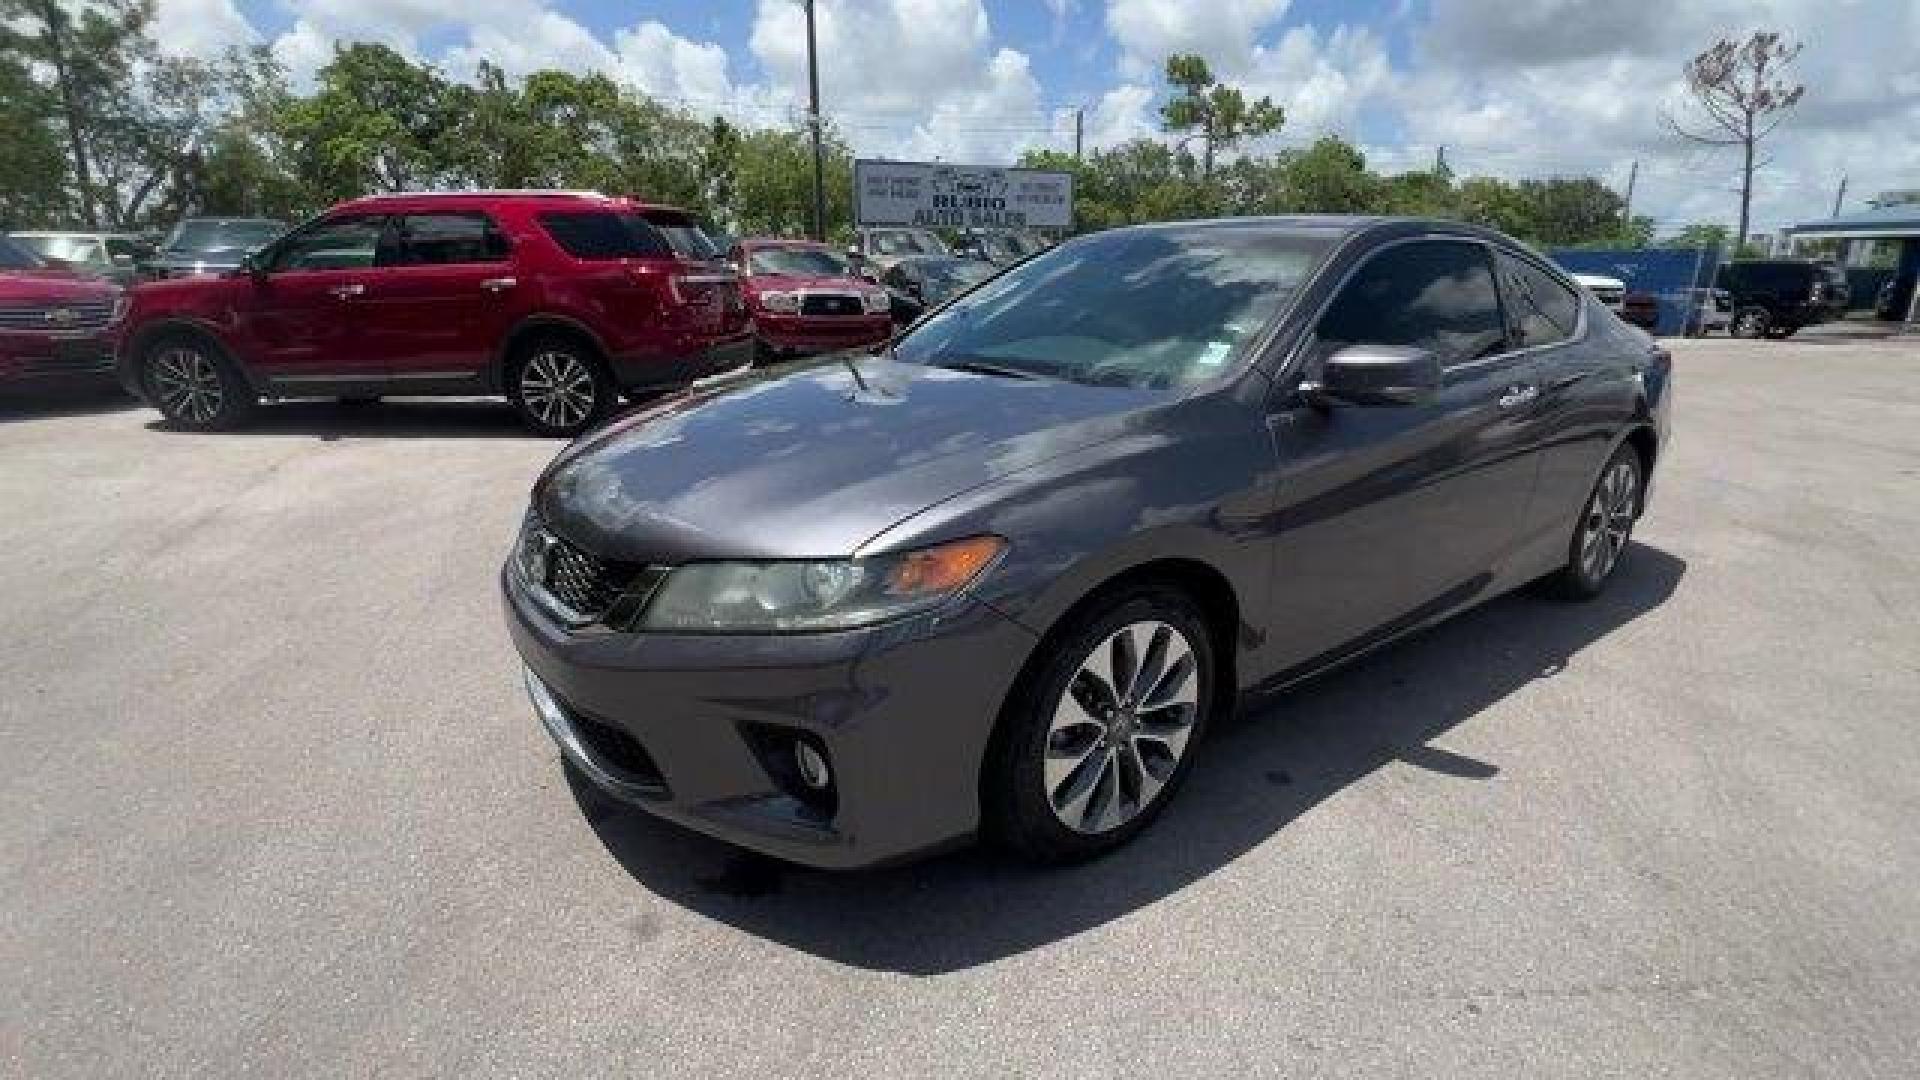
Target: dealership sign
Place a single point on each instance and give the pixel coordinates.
(941, 196)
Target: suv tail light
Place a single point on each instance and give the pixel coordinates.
(704, 289)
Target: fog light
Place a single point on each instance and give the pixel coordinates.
(812, 766)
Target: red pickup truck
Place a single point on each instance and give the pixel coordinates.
(56, 325)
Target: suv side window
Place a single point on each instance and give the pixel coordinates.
(600, 235)
(441, 240)
(347, 242)
(1544, 311)
(1437, 295)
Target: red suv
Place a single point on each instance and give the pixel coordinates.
(558, 300)
(805, 298)
(55, 325)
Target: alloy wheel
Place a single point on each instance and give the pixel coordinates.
(188, 385)
(558, 389)
(1609, 520)
(1121, 726)
(1751, 323)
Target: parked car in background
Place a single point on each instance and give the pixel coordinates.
(805, 298)
(1001, 580)
(1895, 298)
(1710, 310)
(113, 256)
(1611, 291)
(204, 245)
(557, 300)
(1776, 297)
(924, 282)
(1000, 247)
(1641, 309)
(56, 324)
(875, 250)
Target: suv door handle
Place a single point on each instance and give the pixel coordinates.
(1517, 396)
(499, 284)
(350, 289)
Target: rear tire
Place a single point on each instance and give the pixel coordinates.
(559, 386)
(195, 385)
(1604, 529)
(1752, 321)
(1077, 768)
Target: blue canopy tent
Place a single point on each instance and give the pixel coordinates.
(1897, 222)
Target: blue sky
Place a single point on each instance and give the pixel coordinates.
(1510, 87)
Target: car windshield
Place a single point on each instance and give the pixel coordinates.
(797, 262)
(904, 242)
(944, 277)
(71, 249)
(15, 257)
(208, 234)
(1160, 307)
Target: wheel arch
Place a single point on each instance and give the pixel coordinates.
(134, 351)
(534, 326)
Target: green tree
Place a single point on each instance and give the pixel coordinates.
(1329, 177)
(34, 178)
(1217, 114)
(773, 183)
(1701, 234)
(376, 122)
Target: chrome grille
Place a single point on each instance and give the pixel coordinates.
(580, 588)
(57, 318)
(829, 304)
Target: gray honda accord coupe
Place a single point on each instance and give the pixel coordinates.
(999, 578)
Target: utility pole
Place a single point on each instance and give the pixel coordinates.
(1440, 159)
(1633, 175)
(813, 121)
(1079, 128)
(1840, 196)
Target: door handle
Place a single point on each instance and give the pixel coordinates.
(498, 284)
(349, 290)
(1517, 396)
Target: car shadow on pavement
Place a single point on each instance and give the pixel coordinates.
(424, 418)
(1279, 760)
(19, 405)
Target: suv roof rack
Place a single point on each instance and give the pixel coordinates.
(493, 193)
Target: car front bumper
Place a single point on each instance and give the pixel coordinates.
(800, 334)
(902, 712)
(54, 359)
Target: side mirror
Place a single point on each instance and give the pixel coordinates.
(1371, 375)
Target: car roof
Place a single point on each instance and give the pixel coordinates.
(783, 241)
(538, 198)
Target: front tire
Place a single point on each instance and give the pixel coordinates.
(1096, 740)
(194, 385)
(559, 387)
(1603, 530)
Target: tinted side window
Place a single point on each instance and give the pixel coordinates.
(605, 236)
(442, 240)
(341, 243)
(1431, 294)
(1543, 310)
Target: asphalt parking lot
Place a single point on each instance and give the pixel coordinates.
(274, 802)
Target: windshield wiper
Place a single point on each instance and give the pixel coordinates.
(982, 367)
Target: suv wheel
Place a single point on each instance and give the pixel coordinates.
(1751, 322)
(194, 385)
(1098, 739)
(558, 386)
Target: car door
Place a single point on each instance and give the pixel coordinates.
(442, 296)
(301, 315)
(1389, 515)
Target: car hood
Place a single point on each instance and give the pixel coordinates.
(52, 286)
(813, 461)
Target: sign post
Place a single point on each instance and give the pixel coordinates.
(936, 195)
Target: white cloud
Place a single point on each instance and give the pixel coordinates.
(203, 28)
(1222, 31)
(1124, 112)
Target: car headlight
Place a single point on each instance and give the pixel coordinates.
(786, 303)
(874, 302)
(837, 594)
